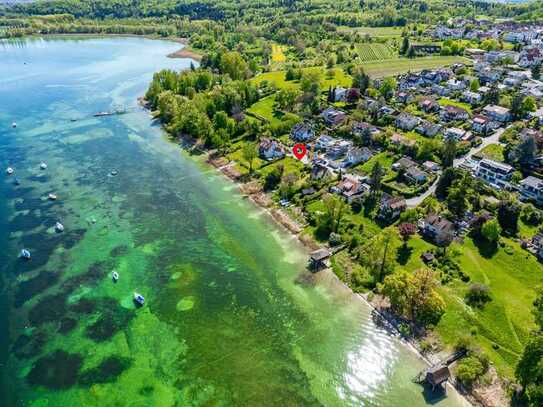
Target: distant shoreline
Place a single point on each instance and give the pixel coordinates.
(184, 52)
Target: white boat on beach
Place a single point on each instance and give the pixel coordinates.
(59, 227)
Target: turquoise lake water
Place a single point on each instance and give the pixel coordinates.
(231, 316)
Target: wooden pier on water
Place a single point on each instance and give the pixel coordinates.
(439, 373)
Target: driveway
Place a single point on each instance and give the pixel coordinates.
(493, 139)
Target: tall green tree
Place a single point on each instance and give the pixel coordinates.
(378, 255)
(414, 295)
(536, 71)
(405, 46)
(361, 80)
(449, 152)
(388, 87)
(508, 214)
(376, 177)
(249, 153)
(491, 230)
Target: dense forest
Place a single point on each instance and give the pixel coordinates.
(341, 12)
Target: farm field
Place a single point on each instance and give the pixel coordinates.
(277, 53)
(396, 66)
(375, 31)
(375, 52)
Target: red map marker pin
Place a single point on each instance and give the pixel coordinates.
(299, 151)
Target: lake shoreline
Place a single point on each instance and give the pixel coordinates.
(263, 201)
(183, 53)
(282, 219)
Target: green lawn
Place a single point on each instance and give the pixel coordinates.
(493, 152)
(278, 77)
(450, 102)
(396, 66)
(290, 165)
(386, 160)
(501, 328)
(265, 108)
(243, 166)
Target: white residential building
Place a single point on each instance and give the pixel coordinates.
(531, 188)
(495, 173)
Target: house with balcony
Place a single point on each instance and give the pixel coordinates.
(415, 175)
(323, 142)
(455, 133)
(302, 132)
(269, 150)
(452, 113)
(473, 98)
(351, 187)
(338, 148)
(455, 85)
(495, 173)
(390, 207)
(357, 155)
(407, 122)
(497, 113)
(437, 228)
(481, 124)
(428, 105)
(531, 189)
(333, 117)
(428, 129)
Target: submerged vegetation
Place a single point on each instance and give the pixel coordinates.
(269, 73)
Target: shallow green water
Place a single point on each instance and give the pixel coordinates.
(231, 317)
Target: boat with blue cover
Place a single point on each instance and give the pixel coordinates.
(139, 299)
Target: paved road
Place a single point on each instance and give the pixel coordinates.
(493, 139)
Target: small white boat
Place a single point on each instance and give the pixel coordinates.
(25, 254)
(59, 227)
(52, 197)
(115, 277)
(13, 124)
(43, 166)
(139, 299)
(10, 171)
